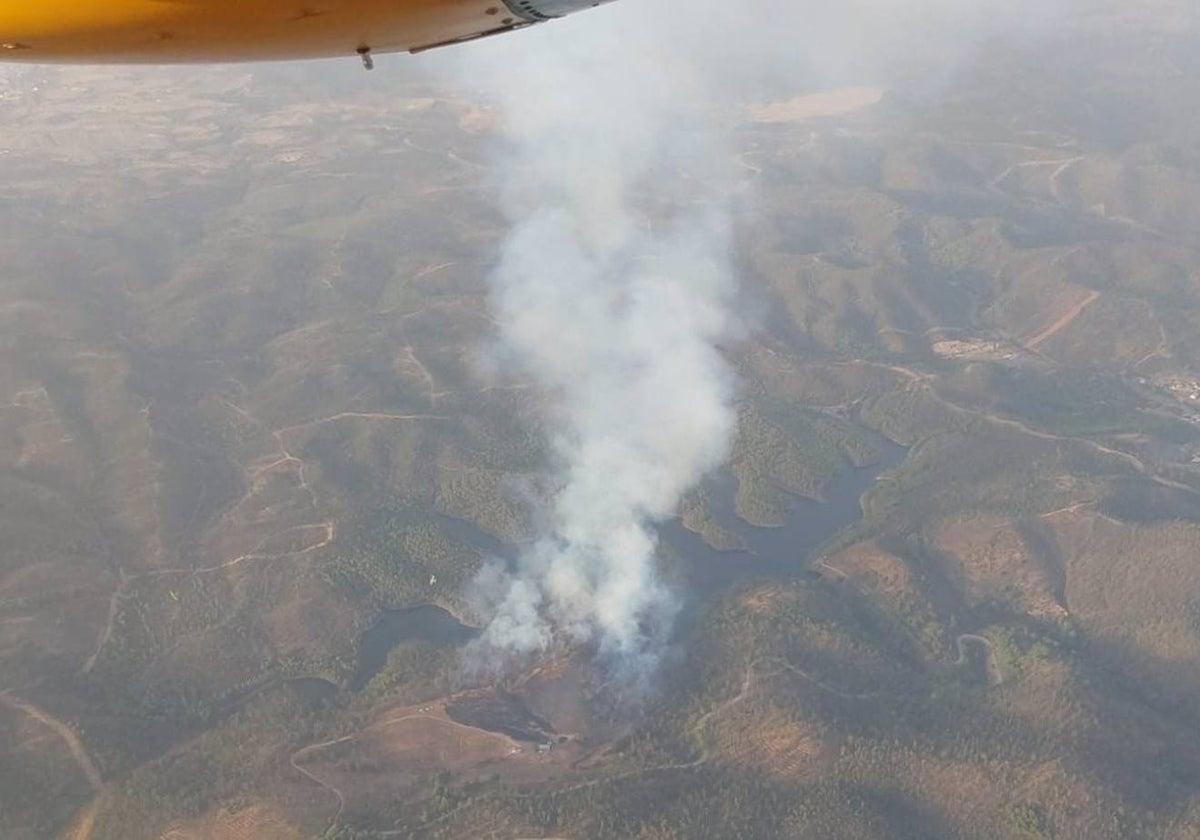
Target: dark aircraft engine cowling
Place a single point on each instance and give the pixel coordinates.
(534, 10)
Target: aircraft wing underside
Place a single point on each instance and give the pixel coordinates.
(167, 31)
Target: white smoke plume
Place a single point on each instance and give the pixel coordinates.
(616, 312)
(614, 287)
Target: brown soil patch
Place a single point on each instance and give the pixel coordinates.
(991, 560)
(384, 761)
(975, 350)
(831, 103)
(773, 741)
(867, 563)
(1134, 586)
(254, 822)
(761, 600)
(958, 787)
(421, 742)
(559, 692)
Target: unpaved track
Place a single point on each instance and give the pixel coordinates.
(748, 682)
(81, 829)
(78, 751)
(1062, 323)
(1055, 180)
(303, 751)
(328, 528)
(114, 607)
(360, 415)
(924, 381)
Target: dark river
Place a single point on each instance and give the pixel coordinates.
(774, 553)
(770, 553)
(424, 623)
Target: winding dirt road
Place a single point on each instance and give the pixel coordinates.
(311, 748)
(925, 381)
(78, 751)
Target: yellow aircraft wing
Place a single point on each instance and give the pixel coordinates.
(167, 31)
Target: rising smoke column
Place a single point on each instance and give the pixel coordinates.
(616, 310)
(621, 331)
